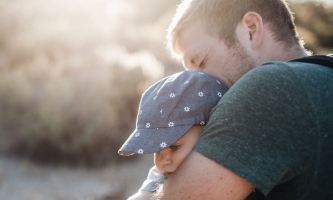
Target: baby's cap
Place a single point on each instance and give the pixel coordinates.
(170, 107)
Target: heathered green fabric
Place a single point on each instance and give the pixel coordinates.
(274, 128)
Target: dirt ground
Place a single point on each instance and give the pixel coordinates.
(23, 180)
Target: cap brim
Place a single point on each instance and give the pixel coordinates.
(145, 141)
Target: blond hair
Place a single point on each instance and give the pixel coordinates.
(221, 17)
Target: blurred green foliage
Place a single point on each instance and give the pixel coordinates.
(72, 73)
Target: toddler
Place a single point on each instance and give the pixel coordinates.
(171, 115)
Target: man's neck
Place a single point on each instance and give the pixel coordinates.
(284, 54)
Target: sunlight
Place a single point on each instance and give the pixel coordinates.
(117, 7)
(64, 25)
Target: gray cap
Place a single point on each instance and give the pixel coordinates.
(170, 107)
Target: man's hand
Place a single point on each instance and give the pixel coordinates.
(201, 178)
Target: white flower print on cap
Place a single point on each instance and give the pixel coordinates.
(171, 124)
(170, 107)
(163, 145)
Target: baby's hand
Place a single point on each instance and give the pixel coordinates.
(141, 195)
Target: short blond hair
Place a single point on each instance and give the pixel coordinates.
(221, 17)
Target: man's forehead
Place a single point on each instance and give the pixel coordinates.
(192, 38)
(188, 37)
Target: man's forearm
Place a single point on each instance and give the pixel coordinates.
(201, 178)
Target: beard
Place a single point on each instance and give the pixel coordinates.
(240, 60)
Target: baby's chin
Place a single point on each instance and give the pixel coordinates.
(167, 173)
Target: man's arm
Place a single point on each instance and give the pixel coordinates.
(201, 178)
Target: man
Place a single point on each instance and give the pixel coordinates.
(272, 131)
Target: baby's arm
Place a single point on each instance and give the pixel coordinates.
(150, 185)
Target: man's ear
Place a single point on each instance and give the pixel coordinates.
(253, 24)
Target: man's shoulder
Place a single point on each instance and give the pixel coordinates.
(272, 69)
(279, 67)
(298, 65)
(267, 74)
(287, 71)
(279, 80)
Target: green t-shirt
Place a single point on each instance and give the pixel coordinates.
(274, 128)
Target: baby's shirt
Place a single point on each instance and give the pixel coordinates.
(153, 181)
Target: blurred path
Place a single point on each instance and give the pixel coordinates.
(23, 180)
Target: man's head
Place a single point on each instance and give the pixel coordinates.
(251, 26)
(170, 108)
(221, 17)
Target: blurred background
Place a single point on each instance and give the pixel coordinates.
(71, 77)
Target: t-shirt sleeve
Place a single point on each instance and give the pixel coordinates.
(153, 181)
(252, 129)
